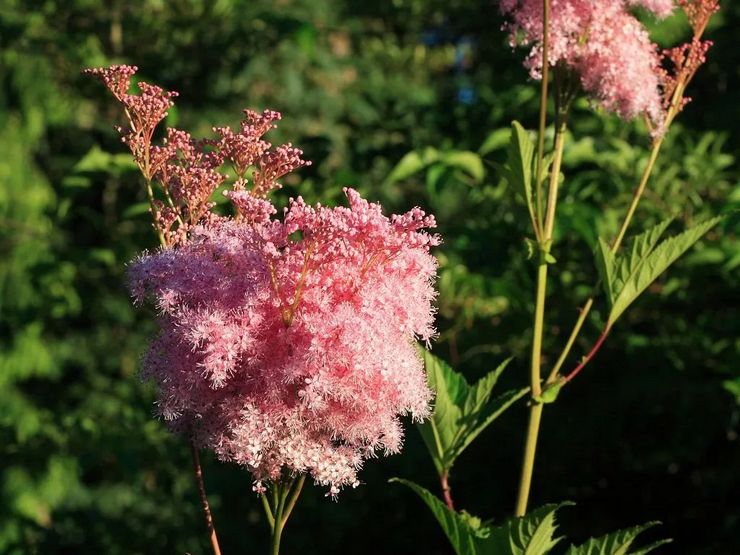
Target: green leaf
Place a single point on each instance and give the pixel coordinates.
(605, 266)
(518, 169)
(636, 274)
(550, 393)
(468, 161)
(463, 530)
(531, 534)
(494, 141)
(461, 411)
(412, 163)
(640, 247)
(616, 543)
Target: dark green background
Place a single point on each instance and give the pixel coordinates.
(648, 432)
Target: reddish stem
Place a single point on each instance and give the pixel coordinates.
(585, 360)
(204, 499)
(446, 491)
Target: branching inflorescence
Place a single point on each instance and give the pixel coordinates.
(286, 345)
(610, 51)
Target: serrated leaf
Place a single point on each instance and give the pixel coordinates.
(616, 543)
(490, 412)
(460, 529)
(461, 412)
(648, 268)
(640, 247)
(518, 169)
(532, 534)
(605, 267)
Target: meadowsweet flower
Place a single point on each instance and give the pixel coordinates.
(286, 345)
(603, 43)
(288, 354)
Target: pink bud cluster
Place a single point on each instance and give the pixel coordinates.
(602, 42)
(286, 345)
(681, 63)
(188, 171)
(289, 345)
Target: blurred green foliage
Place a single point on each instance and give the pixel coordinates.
(650, 431)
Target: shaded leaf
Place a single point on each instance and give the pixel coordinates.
(461, 411)
(605, 266)
(616, 543)
(459, 528)
(518, 168)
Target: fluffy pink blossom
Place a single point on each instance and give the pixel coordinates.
(603, 43)
(288, 345)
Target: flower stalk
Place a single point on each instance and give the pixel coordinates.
(204, 499)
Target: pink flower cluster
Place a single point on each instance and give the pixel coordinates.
(603, 43)
(188, 171)
(292, 353)
(286, 345)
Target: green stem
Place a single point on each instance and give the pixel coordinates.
(277, 529)
(535, 410)
(268, 511)
(543, 118)
(654, 151)
(293, 498)
(284, 500)
(569, 345)
(525, 483)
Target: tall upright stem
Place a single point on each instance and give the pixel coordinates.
(204, 499)
(543, 118)
(535, 409)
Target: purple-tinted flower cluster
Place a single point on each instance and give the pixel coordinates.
(286, 345)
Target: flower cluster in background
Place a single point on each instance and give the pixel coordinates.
(603, 42)
(286, 345)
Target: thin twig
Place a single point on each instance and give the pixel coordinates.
(446, 490)
(204, 499)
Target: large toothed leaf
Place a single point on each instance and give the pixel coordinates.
(461, 412)
(463, 531)
(518, 169)
(532, 534)
(640, 247)
(639, 273)
(616, 543)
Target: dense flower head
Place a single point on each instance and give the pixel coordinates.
(603, 42)
(288, 344)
